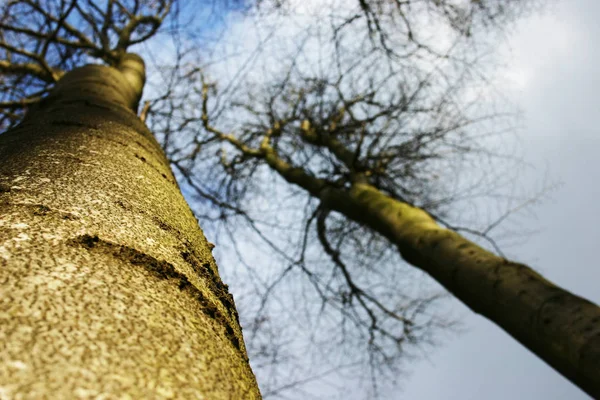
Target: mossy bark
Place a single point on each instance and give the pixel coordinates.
(108, 288)
(560, 327)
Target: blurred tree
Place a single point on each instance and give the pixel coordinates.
(370, 110)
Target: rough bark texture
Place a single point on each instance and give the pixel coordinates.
(108, 288)
(560, 327)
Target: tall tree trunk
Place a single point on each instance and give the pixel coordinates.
(107, 285)
(560, 327)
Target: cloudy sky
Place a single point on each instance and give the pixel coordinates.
(555, 77)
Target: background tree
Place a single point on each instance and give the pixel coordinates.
(350, 114)
(108, 284)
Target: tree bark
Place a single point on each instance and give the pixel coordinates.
(561, 328)
(108, 288)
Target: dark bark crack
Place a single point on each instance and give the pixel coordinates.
(76, 124)
(214, 283)
(164, 270)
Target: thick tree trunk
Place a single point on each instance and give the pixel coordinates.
(108, 288)
(560, 327)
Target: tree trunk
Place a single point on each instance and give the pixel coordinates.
(560, 327)
(108, 288)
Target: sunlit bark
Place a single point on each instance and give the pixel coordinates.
(107, 285)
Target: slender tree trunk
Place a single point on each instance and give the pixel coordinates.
(560, 327)
(108, 288)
